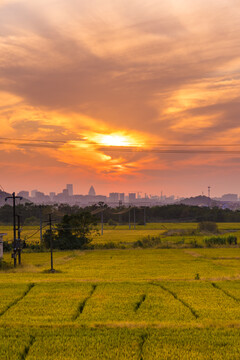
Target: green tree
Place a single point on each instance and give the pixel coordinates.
(73, 232)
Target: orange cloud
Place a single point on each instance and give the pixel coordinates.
(87, 77)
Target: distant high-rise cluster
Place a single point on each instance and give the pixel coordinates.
(114, 199)
(121, 199)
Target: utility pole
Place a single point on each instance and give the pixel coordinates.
(51, 242)
(14, 197)
(134, 218)
(40, 216)
(209, 196)
(101, 222)
(144, 215)
(19, 248)
(129, 218)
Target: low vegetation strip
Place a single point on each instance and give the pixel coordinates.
(83, 303)
(216, 286)
(178, 299)
(120, 343)
(16, 301)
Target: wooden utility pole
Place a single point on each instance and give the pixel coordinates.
(15, 245)
(40, 216)
(51, 242)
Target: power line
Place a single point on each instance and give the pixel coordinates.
(29, 237)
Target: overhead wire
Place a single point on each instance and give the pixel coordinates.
(29, 237)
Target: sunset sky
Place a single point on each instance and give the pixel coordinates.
(135, 95)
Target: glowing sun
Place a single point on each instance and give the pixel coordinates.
(114, 140)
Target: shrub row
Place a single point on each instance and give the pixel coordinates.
(220, 240)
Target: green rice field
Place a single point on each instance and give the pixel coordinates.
(121, 235)
(122, 304)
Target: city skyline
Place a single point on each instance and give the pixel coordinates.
(68, 192)
(130, 96)
(76, 190)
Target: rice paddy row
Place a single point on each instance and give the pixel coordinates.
(122, 304)
(152, 304)
(136, 344)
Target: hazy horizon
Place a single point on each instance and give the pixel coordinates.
(128, 97)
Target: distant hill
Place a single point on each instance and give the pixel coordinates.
(3, 196)
(200, 201)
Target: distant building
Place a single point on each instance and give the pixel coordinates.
(122, 197)
(100, 198)
(39, 196)
(69, 187)
(52, 195)
(230, 197)
(113, 197)
(33, 193)
(24, 194)
(132, 197)
(65, 193)
(92, 191)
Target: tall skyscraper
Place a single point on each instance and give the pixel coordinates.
(122, 197)
(69, 188)
(113, 197)
(132, 197)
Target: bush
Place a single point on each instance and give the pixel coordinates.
(208, 226)
(232, 240)
(7, 246)
(220, 240)
(195, 244)
(35, 247)
(214, 240)
(109, 245)
(4, 265)
(148, 242)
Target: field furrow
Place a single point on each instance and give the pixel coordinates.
(83, 303)
(208, 302)
(48, 303)
(9, 296)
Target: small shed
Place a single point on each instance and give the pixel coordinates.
(1, 244)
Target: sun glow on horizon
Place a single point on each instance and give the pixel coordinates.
(114, 140)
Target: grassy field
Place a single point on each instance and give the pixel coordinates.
(122, 236)
(122, 304)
